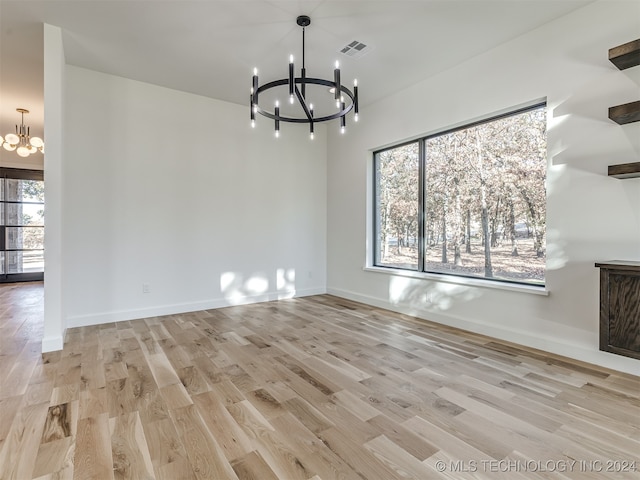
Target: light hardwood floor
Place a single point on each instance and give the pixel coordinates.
(309, 388)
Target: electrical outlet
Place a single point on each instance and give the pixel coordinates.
(146, 288)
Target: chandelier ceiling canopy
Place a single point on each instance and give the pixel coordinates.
(21, 141)
(342, 99)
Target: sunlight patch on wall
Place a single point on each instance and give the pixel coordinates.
(258, 287)
(556, 145)
(556, 256)
(286, 282)
(237, 290)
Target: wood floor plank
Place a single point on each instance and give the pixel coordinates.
(398, 459)
(358, 457)
(253, 467)
(204, 453)
(61, 422)
(164, 445)
(55, 459)
(20, 448)
(93, 457)
(307, 388)
(312, 452)
(229, 434)
(129, 450)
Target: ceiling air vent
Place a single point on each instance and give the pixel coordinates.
(355, 49)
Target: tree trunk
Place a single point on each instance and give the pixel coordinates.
(537, 234)
(458, 233)
(512, 231)
(494, 224)
(468, 243)
(488, 269)
(385, 229)
(444, 238)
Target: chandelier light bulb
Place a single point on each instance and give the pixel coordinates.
(36, 142)
(355, 82)
(12, 138)
(290, 58)
(23, 151)
(337, 64)
(253, 124)
(355, 117)
(342, 130)
(7, 146)
(277, 133)
(255, 71)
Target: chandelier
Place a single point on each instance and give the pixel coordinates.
(345, 99)
(21, 142)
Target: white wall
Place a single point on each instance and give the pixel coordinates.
(54, 71)
(590, 217)
(176, 191)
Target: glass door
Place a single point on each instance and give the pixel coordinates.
(21, 225)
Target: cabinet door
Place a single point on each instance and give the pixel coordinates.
(621, 314)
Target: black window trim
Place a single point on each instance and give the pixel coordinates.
(19, 174)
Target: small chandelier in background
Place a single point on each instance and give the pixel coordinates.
(339, 92)
(21, 142)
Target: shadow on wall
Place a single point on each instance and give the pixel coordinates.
(436, 296)
(258, 287)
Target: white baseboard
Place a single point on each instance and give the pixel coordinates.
(51, 344)
(173, 309)
(578, 350)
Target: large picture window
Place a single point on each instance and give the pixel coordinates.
(467, 202)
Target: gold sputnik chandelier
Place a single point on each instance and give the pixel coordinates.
(21, 141)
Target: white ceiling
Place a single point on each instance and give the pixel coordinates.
(209, 47)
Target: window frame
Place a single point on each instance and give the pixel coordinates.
(373, 263)
(18, 174)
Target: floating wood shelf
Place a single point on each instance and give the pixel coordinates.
(625, 56)
(625, 170)
(627, 113)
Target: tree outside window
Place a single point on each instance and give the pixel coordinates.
(467, 202)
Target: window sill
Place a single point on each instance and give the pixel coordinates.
(471, 282)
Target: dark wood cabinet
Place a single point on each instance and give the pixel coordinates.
(620, 307)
